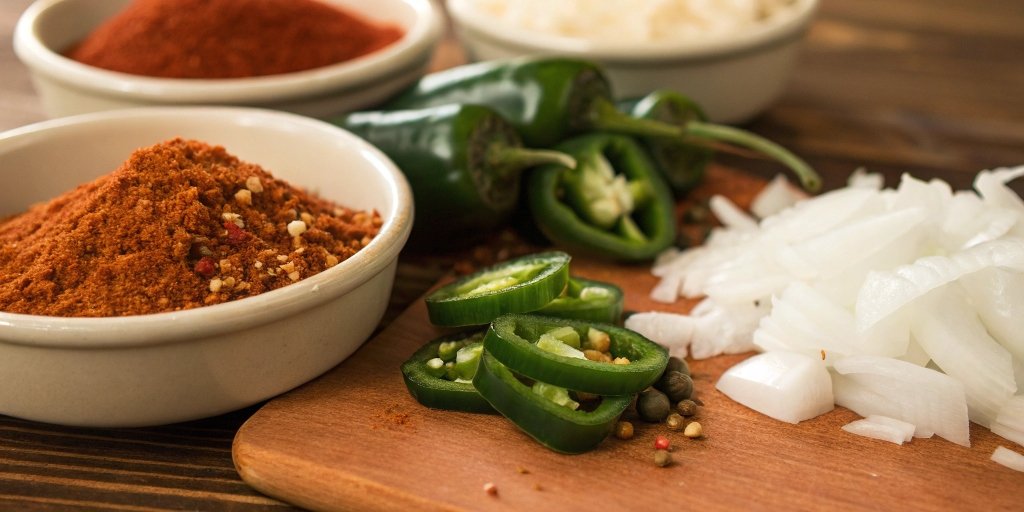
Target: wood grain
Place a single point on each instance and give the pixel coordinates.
(931, 87)
(355, 440)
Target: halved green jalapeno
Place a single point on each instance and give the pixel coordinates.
(614, 204)
(556, 426)
(586, 299)
(513, 340)
(523, 284)
(437, 378)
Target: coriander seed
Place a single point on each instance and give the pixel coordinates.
(674, 422)
(624, 430)
(694, 430)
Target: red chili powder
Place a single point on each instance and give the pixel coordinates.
(179, 225)
(229, 38)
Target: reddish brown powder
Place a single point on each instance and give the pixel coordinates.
(179, 225)
(229, 38)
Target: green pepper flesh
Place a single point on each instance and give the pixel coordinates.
(555, 426)
(515, 286)
(433, 391)
(512, 340)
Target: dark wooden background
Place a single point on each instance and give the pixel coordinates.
(930, 87)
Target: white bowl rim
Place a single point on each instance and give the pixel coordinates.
(419, 38)
(207, 321)
(778, 29)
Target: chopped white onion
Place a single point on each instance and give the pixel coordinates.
(786, 386)
(1008, 458)
(919, 277)
(931, 401)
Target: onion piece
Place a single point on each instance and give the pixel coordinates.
(957, 342)
(998, 297)
(1009, 458)
(931, 401)
(1009, 423)
(903, 427)
(776, 196)
(670, 330)
(876, 430)
(992, 187)
(884, 293)
(786, 386)
(730, 215)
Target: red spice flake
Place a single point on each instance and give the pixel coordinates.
(236, 235)
(229, 38)
(662, 443)
(206, 267)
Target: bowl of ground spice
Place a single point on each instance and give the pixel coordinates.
(165, 264)
(312, 57)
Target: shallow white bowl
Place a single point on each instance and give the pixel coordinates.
(68, 87)
(168, 367)
(732, 77)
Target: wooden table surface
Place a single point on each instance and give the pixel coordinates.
(931, 87)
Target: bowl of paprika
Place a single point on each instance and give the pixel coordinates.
(149, 277)
(312, 57)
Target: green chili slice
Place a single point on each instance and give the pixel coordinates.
(512, 339)
(434, 385)
(515, 286)
(555, 426)
(586, 299)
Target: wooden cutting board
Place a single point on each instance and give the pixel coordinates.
(355, 440)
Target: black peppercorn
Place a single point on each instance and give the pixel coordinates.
(678, 386)
(652, 405)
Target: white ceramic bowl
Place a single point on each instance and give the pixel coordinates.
(69, 87)
(168, 367)
(732, 77)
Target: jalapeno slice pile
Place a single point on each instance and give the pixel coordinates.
(523, 284)
(513, 340)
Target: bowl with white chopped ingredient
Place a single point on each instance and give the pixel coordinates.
(733, 58)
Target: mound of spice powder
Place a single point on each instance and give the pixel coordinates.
(229, 38)
(179, 225)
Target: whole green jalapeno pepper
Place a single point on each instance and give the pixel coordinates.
(546, 99)
(550, 99)
(463, 163)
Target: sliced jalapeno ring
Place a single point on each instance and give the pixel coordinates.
(512, 340)
(426, 381)
(586, 299)
(555, 426)
(515, 286)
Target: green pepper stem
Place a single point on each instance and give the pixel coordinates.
(808, 178)
(507, 159)
(604, 116)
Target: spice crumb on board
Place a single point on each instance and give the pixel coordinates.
(491, 489)
(165, 224)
